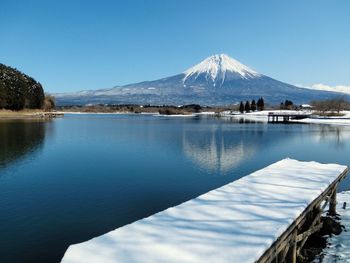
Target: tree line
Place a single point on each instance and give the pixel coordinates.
(287, 105)
(19, 91)
(252, 106)
(336, 104)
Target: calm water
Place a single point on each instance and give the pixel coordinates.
(68, 180)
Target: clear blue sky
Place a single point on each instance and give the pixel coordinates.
(71, 45)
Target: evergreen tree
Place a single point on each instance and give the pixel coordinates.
(241, 107)
(19, 91)
(282, 106)
(262, 104)
(253, 105)
(247, 106)
(288, 104)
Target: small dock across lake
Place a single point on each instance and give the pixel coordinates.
(258, 218)
(285, 117)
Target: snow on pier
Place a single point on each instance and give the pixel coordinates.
(238, 222)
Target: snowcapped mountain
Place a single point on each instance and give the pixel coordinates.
(217, 69)
(217, 80)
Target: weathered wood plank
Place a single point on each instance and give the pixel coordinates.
(292, 253)
(269, 254)
(303, 236)
(333, 202)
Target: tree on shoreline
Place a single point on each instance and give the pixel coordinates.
(253, 105)
(247, 106)
(241, 107)
(19, 91)
(261, 104)
(335, 104)
(49, 103)
(287, 105)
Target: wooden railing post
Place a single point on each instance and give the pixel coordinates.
(333, 202)
(292, 252)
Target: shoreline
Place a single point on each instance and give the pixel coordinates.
(27, 115)
(258, 116)
(141, 113)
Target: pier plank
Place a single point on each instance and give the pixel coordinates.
(240, 222)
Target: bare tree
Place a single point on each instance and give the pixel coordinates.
(49, 103)
(331, 105)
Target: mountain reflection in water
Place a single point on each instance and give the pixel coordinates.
(211, 151)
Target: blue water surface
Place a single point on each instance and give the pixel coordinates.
(70, 179)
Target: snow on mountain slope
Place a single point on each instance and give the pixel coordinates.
(217, 66)
(323, 87)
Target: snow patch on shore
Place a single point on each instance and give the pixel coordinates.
(330, 121)
(262, 116)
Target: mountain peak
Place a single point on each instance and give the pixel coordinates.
(216, 67)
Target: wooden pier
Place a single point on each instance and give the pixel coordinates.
(285, 117)
(266, 216)
(288, 246)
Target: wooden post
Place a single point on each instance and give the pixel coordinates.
(292, 252)
(333, 202)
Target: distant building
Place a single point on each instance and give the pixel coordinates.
(306, 107)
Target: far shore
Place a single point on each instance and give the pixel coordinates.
(28, 114)
(259, 116)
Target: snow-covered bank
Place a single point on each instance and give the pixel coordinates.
(330, 121)
(338, 249)
(262, 116)
(237, 222)
(338, 120)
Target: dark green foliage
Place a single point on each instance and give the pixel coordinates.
(287, 105)
(247, 107)
(186, 109)
(253, 105)
(192, 107)
(261, 104)
(19, 91)
(241, 107)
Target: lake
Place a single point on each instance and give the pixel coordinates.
(67, 180)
